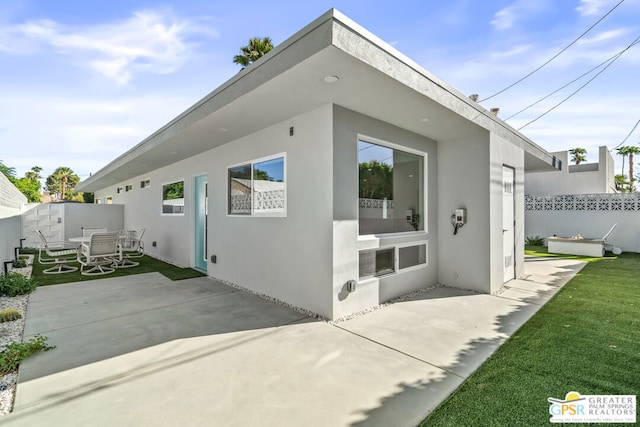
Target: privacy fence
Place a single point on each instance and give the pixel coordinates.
(590, 215)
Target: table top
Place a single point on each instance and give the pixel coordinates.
(81, 239)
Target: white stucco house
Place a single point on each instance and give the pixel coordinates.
(585, 178)
(326, 175)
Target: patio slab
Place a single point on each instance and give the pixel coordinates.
(213, 355)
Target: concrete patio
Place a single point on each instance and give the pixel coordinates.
(143, 350)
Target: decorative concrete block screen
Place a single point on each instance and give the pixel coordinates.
(584, 202)
(263, 201)
(374, 203)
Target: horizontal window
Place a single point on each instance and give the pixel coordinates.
(411, 256)
(128, 187)
(145, 183)
(376, 263)
(173, 198)
(258, 187)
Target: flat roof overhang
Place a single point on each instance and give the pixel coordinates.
(373, 79)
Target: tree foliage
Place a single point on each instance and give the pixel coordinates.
(624, 151)
(62, 183)
(622, 184)
(376, 180)
(172, 191)
(254, 50)
(578, 155)
(7, 171)
(29, 185)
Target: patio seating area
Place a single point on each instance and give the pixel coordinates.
(98, 251)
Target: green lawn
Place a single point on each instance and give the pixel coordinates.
(147, 265)
(586, 339)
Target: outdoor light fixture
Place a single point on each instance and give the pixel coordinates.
(331, 79)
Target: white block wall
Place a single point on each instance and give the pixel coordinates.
(590, 215)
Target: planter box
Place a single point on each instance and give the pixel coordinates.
(585, 247)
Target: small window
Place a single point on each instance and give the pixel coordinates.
(173, 198)
(258, 188)
(376, 263)
(145, 183)
(119, 190)
(128, 187)
(109, 200)
(411, 256)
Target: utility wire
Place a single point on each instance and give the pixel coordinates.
(627, 137)
(555, 56)
(573, 81)
(581, 87)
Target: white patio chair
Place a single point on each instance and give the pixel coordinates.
(608, 246)
(132, 247)
(102, 254)
(57, 253)
(88, 231)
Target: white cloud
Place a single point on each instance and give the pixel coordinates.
(147, 42)
(504, 19)
(509, 16)
(79, 132)
(593, 7)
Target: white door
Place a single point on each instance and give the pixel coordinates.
(508, 222)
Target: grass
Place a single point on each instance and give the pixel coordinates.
(147, 265)
(586, 339)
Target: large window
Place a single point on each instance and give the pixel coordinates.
(258, 187)
(391, 189)
(173, 198)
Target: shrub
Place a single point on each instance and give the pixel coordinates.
(20, 263)
(13, 284)
(29, 250)
(534, 241)
(9, 315)
(16, 352)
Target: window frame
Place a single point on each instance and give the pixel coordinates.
(184, 192)
(251, 164)
(425, 164)
(396, 261)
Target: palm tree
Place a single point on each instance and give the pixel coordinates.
(629, 150)
(578, 155)
(61, 181)
(256, 49)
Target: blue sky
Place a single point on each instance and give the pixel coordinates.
(81, 82)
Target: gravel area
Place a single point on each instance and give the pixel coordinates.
(12, 332)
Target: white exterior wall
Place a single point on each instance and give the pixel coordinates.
(288, 258)
(470, 177)
(12, 204)
(464, 259)
(348, 125)
(10, 196)
(574, 179)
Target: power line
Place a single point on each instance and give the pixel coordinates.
(556, 55)
(581, 87)
(628, 135)
(574, 80)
